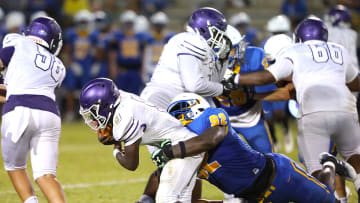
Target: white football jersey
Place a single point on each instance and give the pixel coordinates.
(187, 64)
(134, 119)
(320, 72)
(32, 68)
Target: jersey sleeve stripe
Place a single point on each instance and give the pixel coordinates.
(193, 51)
(179, 54)
(132, 123)
(203, 50)
(290, 60)
(135, 129)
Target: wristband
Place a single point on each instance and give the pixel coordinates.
(115, 152)
(236, 79)
(182, 149)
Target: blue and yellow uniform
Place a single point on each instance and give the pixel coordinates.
(130, 48)
(84, 65)
(244, 111)
(236, 168)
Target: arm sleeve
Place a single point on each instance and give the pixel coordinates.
(126, 129)
(11, 39)
(5, 54)
(282, 68)
(194, 80)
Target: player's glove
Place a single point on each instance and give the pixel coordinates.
(229, 85)
(161, 156)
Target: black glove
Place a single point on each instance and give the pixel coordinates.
(229, 85)
(161, 156)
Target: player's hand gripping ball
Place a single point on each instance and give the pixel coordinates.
(105, 136)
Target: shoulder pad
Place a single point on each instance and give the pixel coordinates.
(11, 39)
(124, 125)
(255, 58)
(193, 44)
(217, 116)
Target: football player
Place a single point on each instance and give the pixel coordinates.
(322, 73)
(160, 35)
(133, 122)
(126, 51)
(31, 120)
(192, 61)
(233, 166)
(244, 110)
(277, 111)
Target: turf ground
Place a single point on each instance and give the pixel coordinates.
(89, 173)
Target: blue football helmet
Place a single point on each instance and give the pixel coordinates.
(187, 106)
(210, 24)
(312, 28)
(98, 100)
(46, 32)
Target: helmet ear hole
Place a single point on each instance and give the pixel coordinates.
(202, 30)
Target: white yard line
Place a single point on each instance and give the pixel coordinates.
(88, 185)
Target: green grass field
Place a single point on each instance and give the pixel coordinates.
(89, 173)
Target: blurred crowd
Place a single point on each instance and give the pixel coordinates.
(125, 46)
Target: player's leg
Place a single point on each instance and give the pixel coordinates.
(348, 142)
(313, 139)
(22, 185)
(177, 179)
(340, 189)
(44, 154)
(293, 184)
(151, 188)
(281, 116)
(258, 136)
(15, 138)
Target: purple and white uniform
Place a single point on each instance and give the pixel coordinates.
(134, 119)
(30, 120)
(327, 109)
(187, 64)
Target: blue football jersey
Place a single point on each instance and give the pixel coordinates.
(130, 49)
(232, 166)
(240, 100)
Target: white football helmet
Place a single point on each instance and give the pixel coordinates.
(240, 18)
(237, 43)
(279, 24)
(159, 18)
(141, 24)
(128, 16)
(14, 19)
(187, 106)
(38, 14)
(275, 45)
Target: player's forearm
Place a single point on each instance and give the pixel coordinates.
(256, 78)
(354, 85)
(281, 94)
(129, 158)
(207, 89)
(209, 139)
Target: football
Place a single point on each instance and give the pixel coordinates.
(105, 136)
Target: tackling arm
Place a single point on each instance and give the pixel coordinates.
(209, 139)
(354, 85)
(255, 78)
(281, 94)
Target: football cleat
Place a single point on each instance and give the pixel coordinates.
(342, 168)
